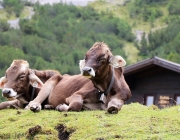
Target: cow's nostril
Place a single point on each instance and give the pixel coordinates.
(6, 91)
(87, 69)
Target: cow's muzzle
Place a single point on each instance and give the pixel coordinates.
(8, 92)
(88, 72)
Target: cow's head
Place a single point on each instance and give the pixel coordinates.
(18, 78)
(97, 60)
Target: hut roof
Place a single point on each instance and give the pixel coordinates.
(151, 62)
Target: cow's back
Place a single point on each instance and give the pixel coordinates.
(68, 86)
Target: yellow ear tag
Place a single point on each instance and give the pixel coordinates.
(103, 98)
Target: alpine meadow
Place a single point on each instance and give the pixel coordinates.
(56, 36)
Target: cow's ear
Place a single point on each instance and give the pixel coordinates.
(117, 61)
(34, 80)
(81, 64)
(3, 80)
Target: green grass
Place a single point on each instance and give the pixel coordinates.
(132, 53)
(6, 16)
(2, 14)
(133, 122)
(25, 12)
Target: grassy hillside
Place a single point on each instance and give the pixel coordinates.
(84, 26)
(6, 16)
(133, 122)
(118, 9)
(121, 9)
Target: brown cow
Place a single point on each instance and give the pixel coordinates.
(67, 93)
(106, 73)
(78, 92)
(17, 84)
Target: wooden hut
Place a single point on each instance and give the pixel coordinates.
(154, 81)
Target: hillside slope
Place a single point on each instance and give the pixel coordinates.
(122, 8)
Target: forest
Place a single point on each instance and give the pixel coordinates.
(165, 42)
(58, 35)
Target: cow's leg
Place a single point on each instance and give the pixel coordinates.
(115, 105)
(62, 107)
(11, 104)
(49, 107)
(75, 103)
(45, 91)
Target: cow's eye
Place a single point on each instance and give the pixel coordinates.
(22, 77)
(102, 61)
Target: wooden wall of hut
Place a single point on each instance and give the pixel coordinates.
(162, 83)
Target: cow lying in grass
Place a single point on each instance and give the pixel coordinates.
(106, 73)
(99, 66)
(17, 84)
(67, 93)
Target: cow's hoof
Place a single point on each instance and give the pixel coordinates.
(113, 110)
(62, 107)
(35, 108)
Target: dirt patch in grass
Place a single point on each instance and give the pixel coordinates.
(33, 131)
(63, 134)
